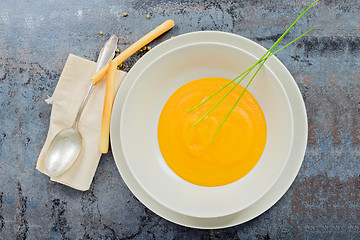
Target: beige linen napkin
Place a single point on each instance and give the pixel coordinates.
(68, 95)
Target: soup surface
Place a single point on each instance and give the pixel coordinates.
(189, 151)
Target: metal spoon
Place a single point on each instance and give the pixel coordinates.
(66, 145)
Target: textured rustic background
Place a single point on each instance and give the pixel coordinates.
(35, 40)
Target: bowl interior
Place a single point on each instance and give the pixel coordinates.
(141, 112)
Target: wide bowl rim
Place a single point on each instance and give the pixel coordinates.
(123, 113)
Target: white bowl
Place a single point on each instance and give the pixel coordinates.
(139, 122)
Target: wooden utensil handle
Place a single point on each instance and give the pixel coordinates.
(164, 27)
(108, 102)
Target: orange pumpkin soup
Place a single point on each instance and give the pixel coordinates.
(188, 150)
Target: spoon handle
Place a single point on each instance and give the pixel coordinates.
(106, 54)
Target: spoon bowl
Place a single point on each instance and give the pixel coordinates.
(63, 151)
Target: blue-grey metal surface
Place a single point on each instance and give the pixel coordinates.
(35, 40)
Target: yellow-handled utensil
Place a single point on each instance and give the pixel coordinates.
(110, 71)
